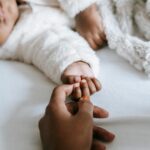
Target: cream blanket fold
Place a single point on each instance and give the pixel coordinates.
(127, 27)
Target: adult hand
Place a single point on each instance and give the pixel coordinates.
(61, 129)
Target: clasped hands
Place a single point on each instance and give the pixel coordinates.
(70, 126)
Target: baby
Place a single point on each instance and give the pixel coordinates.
(39, 32)
(8, 16)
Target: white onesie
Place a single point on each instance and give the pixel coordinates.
(43, 37)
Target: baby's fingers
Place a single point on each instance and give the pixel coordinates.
(97, 84)
(71, 79)
(80, 90)
(76, 95)
(93, 85)
(84, 88)
(97, 145)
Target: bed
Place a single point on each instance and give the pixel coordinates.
(25, 92)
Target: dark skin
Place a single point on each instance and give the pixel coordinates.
(70, 126)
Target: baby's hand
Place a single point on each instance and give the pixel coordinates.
(89, 25)
(81, 71)
(81, 87)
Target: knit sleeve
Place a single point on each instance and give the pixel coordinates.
(51, 49)
(73, 7)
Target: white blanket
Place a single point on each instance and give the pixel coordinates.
(25, 92)
(127, 26)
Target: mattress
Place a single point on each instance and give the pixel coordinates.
(25, 92)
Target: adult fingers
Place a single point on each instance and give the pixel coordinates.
(60, 93)
(102, 134)
(97, 145)
(58, 98)
(72, 107)
(99, 112)
(85, 110)
(84, 104)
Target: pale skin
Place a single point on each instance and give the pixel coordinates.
(8, 17)
(89, 25)
(70, 126)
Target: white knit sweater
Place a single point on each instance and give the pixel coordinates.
(71, 7)
(43, 37)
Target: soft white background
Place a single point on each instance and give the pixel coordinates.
(25, 92)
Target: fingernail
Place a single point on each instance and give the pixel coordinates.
(103, 147)
(106, 113)
(77, 79)
(85, 98)
(83, 81)
(110, 137)
(76, 85)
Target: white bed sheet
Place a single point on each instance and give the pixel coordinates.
(25, 92)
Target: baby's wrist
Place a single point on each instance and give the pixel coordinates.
(88, 11)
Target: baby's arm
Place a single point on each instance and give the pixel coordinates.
(55, 51)
(89, 25)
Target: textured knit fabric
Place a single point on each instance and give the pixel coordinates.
(43, 37)
(71, 7)
(127, 26)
